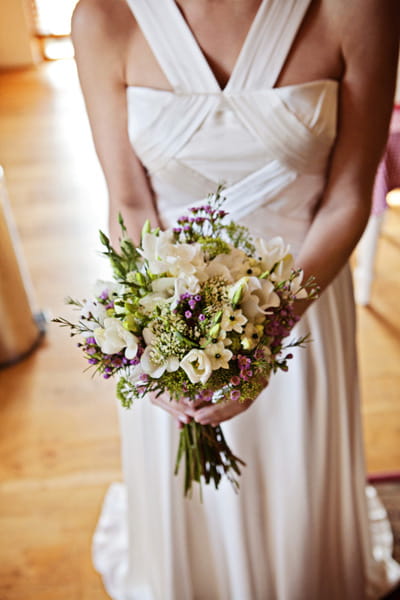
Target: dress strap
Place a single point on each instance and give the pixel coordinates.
(172, 44)
(268, 44)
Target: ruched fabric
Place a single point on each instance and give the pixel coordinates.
(300, 528)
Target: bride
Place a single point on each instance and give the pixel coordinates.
(287, 102)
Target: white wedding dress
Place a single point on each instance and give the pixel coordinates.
(299, 528)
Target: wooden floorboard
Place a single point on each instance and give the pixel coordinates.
(59, 446)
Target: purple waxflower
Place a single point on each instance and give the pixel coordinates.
(177, 229)
(202, 317)
(235, 395)
(91, 350)
(186, 228)
(90, 340)
(188, 314)
(197, 297)
(200, 220)
(192, 304)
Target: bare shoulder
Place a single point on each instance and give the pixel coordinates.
(102, 28)
(368, 32)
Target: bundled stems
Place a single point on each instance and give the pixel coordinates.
(207, 456)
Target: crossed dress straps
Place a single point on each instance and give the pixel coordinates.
(249, 93)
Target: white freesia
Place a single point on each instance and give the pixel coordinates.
(189, 284)
(296, 289)
(219, 355)
(257, 296)
(283, 269)
(271, 251)
(113, 337)
(156, 369)
(112, 287)
(237, 262)
(215, 269)
(197, 366)
(164, 256)
(162, 290)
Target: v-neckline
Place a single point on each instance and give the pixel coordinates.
(202, 57)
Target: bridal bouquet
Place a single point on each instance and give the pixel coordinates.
(201, 311)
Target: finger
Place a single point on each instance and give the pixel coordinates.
(173, 408)
(217, 413)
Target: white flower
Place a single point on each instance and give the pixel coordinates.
(93, 313)
(183, 285)
(219, 355)
(236, 262)
(270, 252)
(233, 320)
(251, 337)
(197, 366)
(154, 368)
(295, 287)
(283, 269)
(162, 289)
(114, 337)
(110, 286)
(215, 269)
(258, 296)
(164, 256)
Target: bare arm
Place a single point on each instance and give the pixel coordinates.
(369, 33)
(100, 33)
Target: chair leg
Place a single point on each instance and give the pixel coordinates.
(365, 259)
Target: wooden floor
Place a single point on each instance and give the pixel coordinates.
(58, 428)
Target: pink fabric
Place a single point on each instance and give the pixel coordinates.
(388, 174)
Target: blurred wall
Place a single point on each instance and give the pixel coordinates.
(16, 45)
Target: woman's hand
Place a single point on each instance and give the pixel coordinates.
(183, 410)
(214, 414)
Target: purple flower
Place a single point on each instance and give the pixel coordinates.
(235, 380)
(202, 317)
(187, 228)
(93, 361)
(197, 297)
(104, 295)
(192, 304)
(90, 340)
(188, 314)
(177, 229)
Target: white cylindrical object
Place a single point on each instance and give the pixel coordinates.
(19, 331)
